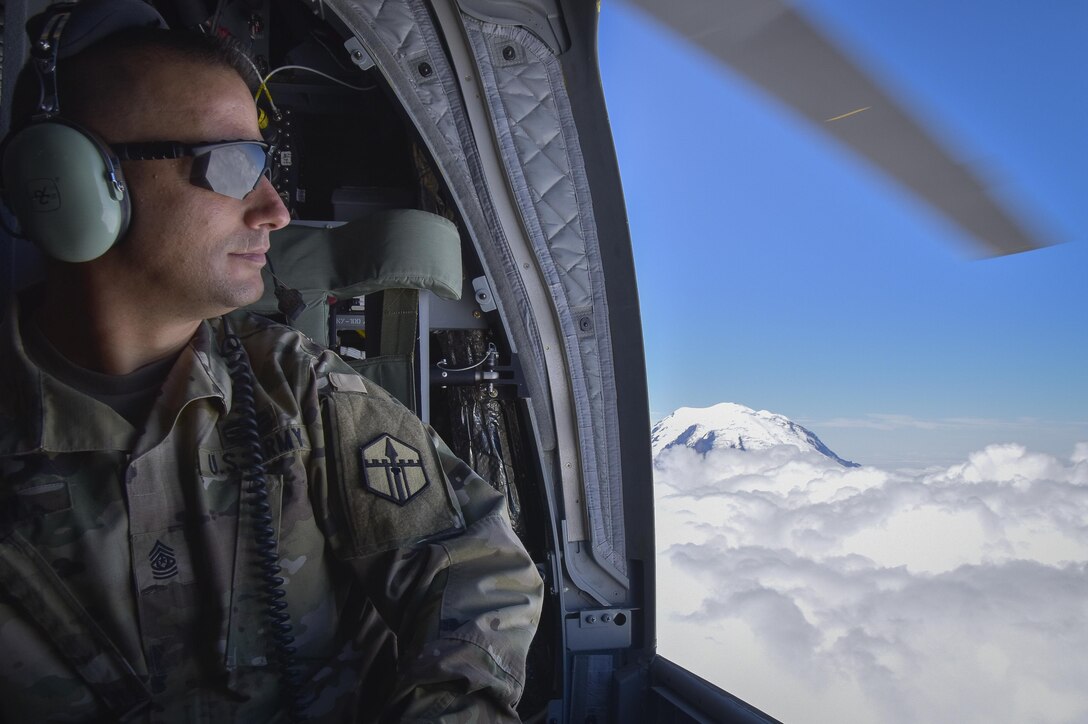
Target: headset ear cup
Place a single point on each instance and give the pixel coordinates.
(59, 182)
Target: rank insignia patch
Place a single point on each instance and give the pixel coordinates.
(163, 562)
(392, 469)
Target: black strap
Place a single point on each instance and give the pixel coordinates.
(400, 315)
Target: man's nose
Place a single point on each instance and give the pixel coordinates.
(265, 209)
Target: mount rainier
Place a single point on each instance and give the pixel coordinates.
(729, 425)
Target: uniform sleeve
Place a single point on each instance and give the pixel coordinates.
(434, 551)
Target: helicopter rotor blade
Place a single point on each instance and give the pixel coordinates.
(781, 51)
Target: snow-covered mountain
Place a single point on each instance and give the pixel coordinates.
(729, 425)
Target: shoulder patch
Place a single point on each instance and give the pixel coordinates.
(392, 469)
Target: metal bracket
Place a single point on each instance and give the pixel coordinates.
(605, 628)
(358, 53)
(484, 296)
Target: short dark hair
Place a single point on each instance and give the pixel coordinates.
(100, 74)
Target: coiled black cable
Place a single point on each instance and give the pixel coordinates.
(242, 430)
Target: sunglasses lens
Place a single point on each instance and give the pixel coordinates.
(235, 169)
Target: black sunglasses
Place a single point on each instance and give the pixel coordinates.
(231, 168)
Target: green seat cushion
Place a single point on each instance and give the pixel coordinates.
(398, 249)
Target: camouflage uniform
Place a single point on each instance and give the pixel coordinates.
(128, 564)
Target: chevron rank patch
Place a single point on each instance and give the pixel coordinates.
(392, 469)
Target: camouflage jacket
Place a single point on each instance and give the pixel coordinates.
(128, 562)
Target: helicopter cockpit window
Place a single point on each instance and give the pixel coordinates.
(870, 447)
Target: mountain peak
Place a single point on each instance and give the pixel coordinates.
(729, 425)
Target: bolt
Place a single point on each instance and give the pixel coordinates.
(508, 52)
(357, 54)
(425, 69)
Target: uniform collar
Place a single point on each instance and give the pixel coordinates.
(38, 413)
(200, 372)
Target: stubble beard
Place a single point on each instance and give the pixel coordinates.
(229, 295)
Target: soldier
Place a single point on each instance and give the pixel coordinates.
(205, 516)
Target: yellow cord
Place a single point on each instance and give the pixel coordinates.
(262, 117)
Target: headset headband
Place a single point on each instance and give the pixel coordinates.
(44, 54)
(82, 24)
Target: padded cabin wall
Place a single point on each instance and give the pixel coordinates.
(402, 37)
(582, 78)
(526, 95)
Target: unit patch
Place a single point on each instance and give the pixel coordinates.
(392, 469)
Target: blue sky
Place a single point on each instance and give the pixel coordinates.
(778, 271)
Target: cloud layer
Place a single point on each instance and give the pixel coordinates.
(821, 593)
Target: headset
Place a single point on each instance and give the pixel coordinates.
(63, 183)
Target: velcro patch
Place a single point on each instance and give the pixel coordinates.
(392, 469)
(343, 382)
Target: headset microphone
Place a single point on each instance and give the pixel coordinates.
(289, 301)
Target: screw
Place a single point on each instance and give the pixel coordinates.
(591, 619)
(477, 313)
(606, 618)
(357, 54)
(425, 69)
(508, 52)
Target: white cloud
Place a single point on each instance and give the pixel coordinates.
(821, 593)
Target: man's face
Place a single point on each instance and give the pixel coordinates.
(191, 252)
